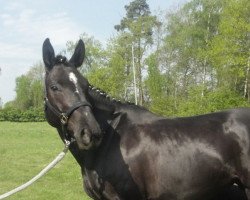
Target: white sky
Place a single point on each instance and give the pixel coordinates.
(24, 25)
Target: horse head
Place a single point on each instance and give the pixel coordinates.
(68, 106)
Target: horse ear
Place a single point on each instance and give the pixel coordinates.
(79, 54)
(48, 54)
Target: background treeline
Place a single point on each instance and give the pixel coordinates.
(193, 60)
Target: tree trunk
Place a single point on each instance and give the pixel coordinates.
(205, 59)
(246, 88)
(139, 73)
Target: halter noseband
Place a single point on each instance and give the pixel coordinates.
(64, 116)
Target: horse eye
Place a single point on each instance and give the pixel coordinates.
(54, 87)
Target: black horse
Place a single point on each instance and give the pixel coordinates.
(128, 153)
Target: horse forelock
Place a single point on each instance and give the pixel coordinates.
(61, 60)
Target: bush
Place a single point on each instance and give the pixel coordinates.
(213, 101)
(16, 115)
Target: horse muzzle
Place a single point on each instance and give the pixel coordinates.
(87, 139)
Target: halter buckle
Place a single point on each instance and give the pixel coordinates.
(64, 119)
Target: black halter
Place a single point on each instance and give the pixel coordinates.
(64, 116)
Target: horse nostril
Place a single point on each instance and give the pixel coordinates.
(97, 132)
(83, 132)
(86, 135)
(95, 136)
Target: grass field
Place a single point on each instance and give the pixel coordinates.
(25, 149)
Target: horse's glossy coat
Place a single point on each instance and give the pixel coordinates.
(144, 156)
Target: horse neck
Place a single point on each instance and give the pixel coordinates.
(102, 102)
(106, 108)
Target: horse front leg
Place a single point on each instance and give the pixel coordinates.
(109, 192)
(233, 192)
(248, 193)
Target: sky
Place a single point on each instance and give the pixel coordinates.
(25, 24)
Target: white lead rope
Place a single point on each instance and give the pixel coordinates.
(42, 173)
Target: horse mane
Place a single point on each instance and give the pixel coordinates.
(102, 96)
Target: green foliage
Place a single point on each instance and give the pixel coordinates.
(220, 99)
(95, 55)
(28, 104)
(230, 48)
(135, 10)
(204, 59)
(37, 94)
(111, 79)
(155, 81)
(156, 86)
(16, 115)
(29, 89)
(224, 98)
(23, 97)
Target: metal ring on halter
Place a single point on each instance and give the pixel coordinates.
(64, 118)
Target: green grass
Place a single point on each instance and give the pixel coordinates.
(25, 149)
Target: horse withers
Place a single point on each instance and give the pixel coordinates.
(128, 153)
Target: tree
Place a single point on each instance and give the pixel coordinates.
(1, 103)
(29, 89)
(230, 48)
(183, 53)
(138, 26)
(156, 86)
(23, 97)
(199, 59)
(190, 31)
(36, 75)
(95, 55)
